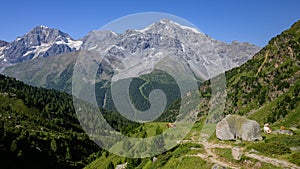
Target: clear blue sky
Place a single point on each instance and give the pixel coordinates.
(254, 21)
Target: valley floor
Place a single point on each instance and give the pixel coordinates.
(195, 151)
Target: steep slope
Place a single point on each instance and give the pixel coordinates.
(266, 88)
(46, 72)
(2, 47)
(39, 129)
(231, 55)
(41, 41)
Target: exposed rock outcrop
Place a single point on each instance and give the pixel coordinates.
(216, 166)
(285, 132)
(3, 43)
(234, 127)
(121, 166)
(237, 153)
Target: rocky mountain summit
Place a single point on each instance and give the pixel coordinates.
(143, 49)
(3, 43)
(41, 41)
(134, 52)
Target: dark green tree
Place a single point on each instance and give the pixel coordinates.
(110, 165)
(14, 145)
(53, 145)
(68, 154)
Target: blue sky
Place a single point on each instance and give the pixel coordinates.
(255, 21)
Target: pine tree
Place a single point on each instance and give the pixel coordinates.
(53, 145)
(68, 154)
(14, 145)
(110, 165)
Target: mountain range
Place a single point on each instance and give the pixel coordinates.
(46, 57)
(264, 87)
(42, 41)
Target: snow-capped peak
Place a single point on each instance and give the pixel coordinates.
(41, 41)
(195, 30)
(146, 29)
(44, 27)
(168, 23)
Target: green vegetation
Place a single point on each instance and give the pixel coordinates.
(254, 163)
(266, 88)
(271, 148)
(175, 158)
(139, 91)
(39, 129)
(278, 146)
(225, 153)
(295, 158)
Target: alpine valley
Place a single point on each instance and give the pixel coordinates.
(46, 57)
(38, 123)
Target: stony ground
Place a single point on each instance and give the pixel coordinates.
(213, 157)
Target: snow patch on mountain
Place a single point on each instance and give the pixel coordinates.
(71, 43)
(146, 29)
(187, 28)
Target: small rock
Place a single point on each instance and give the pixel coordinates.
(294, 128)
(121, 166)
(253, 151)
(258, 164)
(238, 142)
(237, 153)
(297, 149)
(217, 166)
(247, 162)
(196, 148)
(285, 132)
(154, 159)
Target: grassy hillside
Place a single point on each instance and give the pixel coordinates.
(266, 89)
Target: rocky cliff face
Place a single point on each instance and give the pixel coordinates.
(136, 50)
(234, 127)
(231, 55)
(41, 41)
(144, 48)
(3, 43)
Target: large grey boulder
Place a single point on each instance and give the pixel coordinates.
(234, 127)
